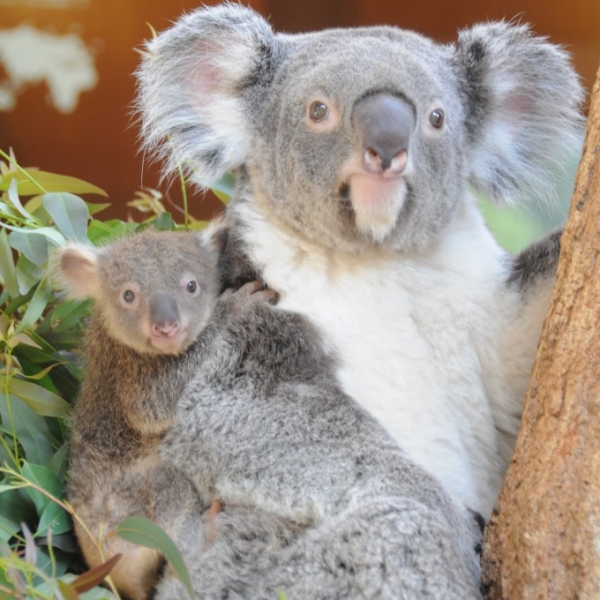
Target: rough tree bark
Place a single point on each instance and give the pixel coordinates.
(543, 540)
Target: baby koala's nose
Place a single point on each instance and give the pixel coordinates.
(165, 329)
(164, 315)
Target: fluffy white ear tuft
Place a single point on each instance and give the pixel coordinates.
(521, 98)
(191, 86)
(77, 269)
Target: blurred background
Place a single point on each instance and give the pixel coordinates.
(66, 84)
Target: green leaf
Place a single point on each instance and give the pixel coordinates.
(198, 225)
(55, 518)
(8, 273)
(8, 528)
(144, 532)
(96, 208)
(49, 232)
(28, 274)
(48, 182)
(67, 314)
(37, 305)
(16, 505)
(13, 196)
(69, 213)
(225, 187)
(163, 222)
(45, 479)
(31, 429)
(58, 463)
(40, 400)
(106, 231)
(33, 247)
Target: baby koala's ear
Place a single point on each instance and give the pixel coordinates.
(77, 270)
(214, 236)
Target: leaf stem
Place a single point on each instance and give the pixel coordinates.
(22, 170)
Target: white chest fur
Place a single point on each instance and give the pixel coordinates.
(408, 332)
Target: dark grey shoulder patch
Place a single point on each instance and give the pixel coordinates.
(537, 261)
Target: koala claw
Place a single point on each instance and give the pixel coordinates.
(249, 293)
(209, 517)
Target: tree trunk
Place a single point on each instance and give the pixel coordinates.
(543, 540)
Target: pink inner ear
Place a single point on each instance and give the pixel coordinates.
(205, 77)
(79, 268)
(517, 108)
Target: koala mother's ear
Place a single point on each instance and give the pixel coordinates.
(190, 88)
(521, 98)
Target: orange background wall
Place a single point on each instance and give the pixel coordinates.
(97, 141)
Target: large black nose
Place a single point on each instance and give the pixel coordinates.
(384, 124)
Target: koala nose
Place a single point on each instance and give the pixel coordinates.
(164, 315)
(384, 124)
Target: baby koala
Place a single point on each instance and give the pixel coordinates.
(153, 294)
(190, 399)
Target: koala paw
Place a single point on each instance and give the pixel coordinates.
(249, 295)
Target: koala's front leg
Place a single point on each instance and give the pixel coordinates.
(522, 307)
(145, 487)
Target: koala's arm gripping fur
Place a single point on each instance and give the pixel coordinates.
(523, 301)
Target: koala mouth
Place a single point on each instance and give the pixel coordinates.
(171, 344)
(376, 201)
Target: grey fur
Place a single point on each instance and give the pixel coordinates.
(319, 500)
(265, 425)
(497, 111)
(535, 263)
(128, 397)
(511, 102)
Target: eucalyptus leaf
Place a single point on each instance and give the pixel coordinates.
(164, 222)
(8, 211)
(28, 274)
(41, 401)
(225, 187)
(8, 528)
(67, 314)
(8, 272)
(70, 215)
(31, 429)
(33, 247)
(55, 518)
(13, 196)
(96, 208)
(48, 182)
(51, 233)
(37, 305)
(105, 231)
(58, 463)
(16, 506)
(144, 532)
(44, 479)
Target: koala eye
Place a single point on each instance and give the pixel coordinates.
(318, 111)
(192, 286)
(436, 118)
(128, 296)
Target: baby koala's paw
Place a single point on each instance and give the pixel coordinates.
(248, 296)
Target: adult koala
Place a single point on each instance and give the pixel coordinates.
(354, 150)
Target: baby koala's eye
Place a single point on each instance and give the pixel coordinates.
(436, 118)
(318, 111)
(128, 296)
(192, 286)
